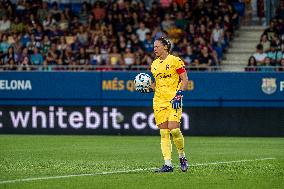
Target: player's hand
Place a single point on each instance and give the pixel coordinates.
(144, 90)
(177, 100)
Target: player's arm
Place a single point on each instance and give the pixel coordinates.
(177, 100)
(184, 81)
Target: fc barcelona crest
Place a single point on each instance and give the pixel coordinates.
(269, 85)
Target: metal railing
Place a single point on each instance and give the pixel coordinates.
(105, 68)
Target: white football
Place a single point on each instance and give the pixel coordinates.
(142, 80)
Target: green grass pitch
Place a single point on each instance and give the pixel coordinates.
(125, 162)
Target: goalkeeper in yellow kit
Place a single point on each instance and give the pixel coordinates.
(170, 82)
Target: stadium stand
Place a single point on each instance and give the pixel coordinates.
(40, 35)
(269, 54)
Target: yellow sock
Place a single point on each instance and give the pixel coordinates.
(166, 145)
(178, 140)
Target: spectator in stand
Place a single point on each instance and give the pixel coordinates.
(42, 12)
(25, 38)
(24, 53)
(62, 44)
(189, 56)
(151, 21)
(46, 67)
(122, 45)
(46, 44)
(25, 64)
(105, 46)
(180, 21)
(68, 57)
(36, 57)
(68, 14)
(55, 33)
(142, 31)
(53, 55)
(48, 22)
(119, 25)
(83, 36)
(141, 9)
(276, 40)
(267, 66)
(280, 11)
(1, 59)
(204, 61)
(4, 45)
(39, 33)
(270, 31)
(135, 43)
(2, 9)
(32, 24)
(98, 11)
(55, 11)
(123, 24)
(11, 65)
(158, 32)
(281, 67)
(75, 25)
(21, 7)
(82, 58)
(228, 28)
(157, 10)
(5, 24)
(63, 23)
(148, 43)
(33, 44)
(211, 50)
(146, 60)
(134, 20)
(115, 58)
(17, 26)
(167, 23)
(96, 58)
(17, 44)
(84, 14)
(265, 43)
(191, 33)
(217, 40)
(10, 55)
(128, 57)
(252, 65)
(203, 32)
(274, 54)
(165, 3)
(259, 55)
(128, 31)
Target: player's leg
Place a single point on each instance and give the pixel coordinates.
(173, 125)
(166, 145)
(177, 137)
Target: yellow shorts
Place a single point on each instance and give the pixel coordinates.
(167, 114)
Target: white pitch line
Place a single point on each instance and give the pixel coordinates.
(127, 171)
(229, 162)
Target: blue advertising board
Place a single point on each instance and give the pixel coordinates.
(117, 89)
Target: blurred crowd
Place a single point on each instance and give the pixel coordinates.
(108, 35)
(269, 55)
